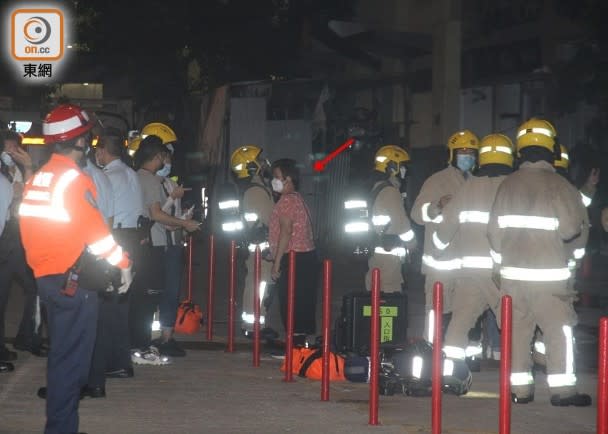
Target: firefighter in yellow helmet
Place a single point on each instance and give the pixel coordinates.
(392, 227)
(434, 195)
(535, 212)
(464, 229)
(248, 169)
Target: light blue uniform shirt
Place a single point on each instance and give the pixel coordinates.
(6, 198)
(128, 196)
(105, 194)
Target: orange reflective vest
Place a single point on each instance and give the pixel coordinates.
(59, 219)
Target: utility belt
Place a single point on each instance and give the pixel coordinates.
(92, 273)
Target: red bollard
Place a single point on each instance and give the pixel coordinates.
(231, 296)
(506, 336)
(257, 273)
(602, 379)
(291, 297)
(437, 358)
(374, 348)
(326, 329)
(211, 288)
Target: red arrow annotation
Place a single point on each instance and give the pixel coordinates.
(319, 165)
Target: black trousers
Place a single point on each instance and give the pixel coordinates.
(112, 348)
(307, 284)
(145, 295)
(14, 265)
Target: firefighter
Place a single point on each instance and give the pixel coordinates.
(575, 248)
(535, 212)
(465, 229)
(257, 207)
(391, 224)
(434, 195)
(59, 221)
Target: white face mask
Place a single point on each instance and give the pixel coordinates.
(277, 185)
(164, 171)
(7, 159)
(402, 172)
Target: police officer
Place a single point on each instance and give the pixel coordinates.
(464, 228)
(535, 212)
(59, 219)
(390, 222)
(434, 195)
(257, 206)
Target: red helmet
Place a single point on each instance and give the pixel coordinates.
(65, 122)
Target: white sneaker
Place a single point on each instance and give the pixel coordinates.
(149, 356)
(496, 355)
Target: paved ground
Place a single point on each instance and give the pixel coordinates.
(212, 391)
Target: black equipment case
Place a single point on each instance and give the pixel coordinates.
(353, 325)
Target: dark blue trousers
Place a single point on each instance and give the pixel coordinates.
(72, 323)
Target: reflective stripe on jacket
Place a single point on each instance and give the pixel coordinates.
(425, 212)
(535, 212)
(465, 225)
(59, 219)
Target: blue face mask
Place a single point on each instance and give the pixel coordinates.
(165, 171)
(465, 162)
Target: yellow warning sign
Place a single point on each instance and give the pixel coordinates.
(384, 311)
(386, 329)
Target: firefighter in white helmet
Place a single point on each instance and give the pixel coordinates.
(392, 227)
(435, 194)
(257, 206)
(535, 212)
(465, 229)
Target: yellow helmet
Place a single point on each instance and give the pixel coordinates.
(496, 149)
(390, 154)
(242, 158)
(564, 161)
(166, 134)
(536, 132)
(133, 145)
(464, 139)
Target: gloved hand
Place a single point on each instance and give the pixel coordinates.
(126, 277)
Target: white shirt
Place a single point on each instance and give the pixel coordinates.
(105, 192)
(6, 198)
(128, 196)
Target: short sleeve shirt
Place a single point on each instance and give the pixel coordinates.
(151, 187)
(293, 207)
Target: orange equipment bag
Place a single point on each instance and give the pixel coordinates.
(308, 362)
(189, 318)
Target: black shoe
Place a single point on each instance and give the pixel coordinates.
(7, 355)
(170, 348)
(6, 367)
(577, 400)
(121, 373)
(42, 392)
(521, 400)
(94, 392)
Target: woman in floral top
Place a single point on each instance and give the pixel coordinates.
(291, 229)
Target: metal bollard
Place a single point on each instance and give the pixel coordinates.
(437, 358)
(374, 348)
(211, 288)
(231, 296)
(291, 296)
(326, 329)
(257, 273)
(602, 378)
(506, 331)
